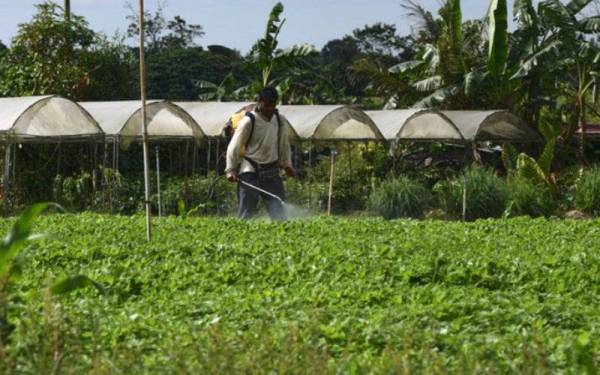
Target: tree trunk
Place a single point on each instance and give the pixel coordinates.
(68, 10)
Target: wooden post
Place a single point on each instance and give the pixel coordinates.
(5, 177)
(309, 175)
(464, 198)
(145, 126)
(157, 148)
(208, 152)
(218, 158)
(331, 182)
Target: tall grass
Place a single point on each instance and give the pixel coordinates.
(399, 198)
(587, 194)
(486, 194)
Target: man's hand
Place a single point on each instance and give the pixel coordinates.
(290, 172)
(231, 176)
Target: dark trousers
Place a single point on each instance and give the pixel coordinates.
(248, 197)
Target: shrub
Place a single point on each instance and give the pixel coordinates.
(528, 199)
(486, 194)
(75, 192)
(306, 193)
(353, 180)
(118, 194)
(197, 195)
(400, 197)
(587, 194)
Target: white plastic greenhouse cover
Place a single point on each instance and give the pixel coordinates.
(331, 122)
(415, 124)
(212, 116)
(492, 126)
(45, 118)
(123, 120)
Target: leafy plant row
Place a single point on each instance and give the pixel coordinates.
(317, 295)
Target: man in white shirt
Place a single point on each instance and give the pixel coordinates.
(262, 137)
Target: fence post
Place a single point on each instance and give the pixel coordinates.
(333, 152)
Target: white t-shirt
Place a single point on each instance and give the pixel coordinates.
(263, 147)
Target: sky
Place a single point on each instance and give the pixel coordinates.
(239, 23)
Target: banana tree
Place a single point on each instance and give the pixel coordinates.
(558, 36)
(223, 91)
(538, 172)
(452, 75)
(266, 55)
(438, 75)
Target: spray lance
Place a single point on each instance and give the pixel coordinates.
(262, 191)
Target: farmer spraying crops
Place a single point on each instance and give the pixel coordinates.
(258, 149)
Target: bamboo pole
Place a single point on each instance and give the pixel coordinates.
(158, 180)
(145, 125)
(309, 175)
(218, 157)
(5, 177)
(208, 152)
(332, 171)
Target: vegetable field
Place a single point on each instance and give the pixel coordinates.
(310, 296)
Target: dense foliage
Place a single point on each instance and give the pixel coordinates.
(479, 190)
(587, 196)
(400, 198)
(316, 295)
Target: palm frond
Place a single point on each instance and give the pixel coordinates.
(590, 25)
(423, 19)
(438, 97)
(546, 52)
(406, 66)
(576, 6)
(429, 84)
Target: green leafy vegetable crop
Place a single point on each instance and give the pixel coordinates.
(310, 296)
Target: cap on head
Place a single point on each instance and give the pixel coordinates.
(268, 94)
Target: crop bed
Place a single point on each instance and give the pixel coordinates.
(310, 296)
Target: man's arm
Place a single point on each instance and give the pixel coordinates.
(240, 138)
(285, 149)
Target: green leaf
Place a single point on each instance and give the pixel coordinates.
(456, 32)
(18, 235)
(547, 52)
(290, 54)
(498, 33)
(437, 97)
(590, 25)
(528, 169)
(406, 66)
(70, 284)
(576, 6)
(524, 14)
(473, 81)
(550, 130)
(429, 84)
(509, 157)
(545, 160)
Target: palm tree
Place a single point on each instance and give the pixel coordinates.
(442, 71)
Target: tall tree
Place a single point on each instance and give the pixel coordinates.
(162, 33)
(48, 55)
